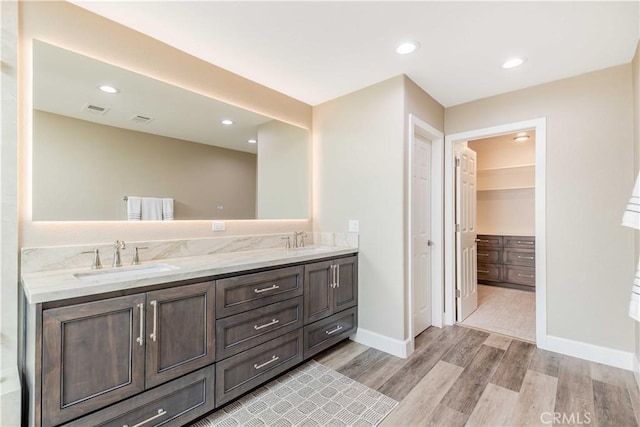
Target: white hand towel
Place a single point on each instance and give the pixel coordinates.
(134, 212)
(151, 209)
(167, 209)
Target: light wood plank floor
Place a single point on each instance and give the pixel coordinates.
(459, 376)
(505, 311)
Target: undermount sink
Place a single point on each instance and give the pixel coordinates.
(309, 249)
(125, 272)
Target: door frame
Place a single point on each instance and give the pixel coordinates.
(437, 222)
(540, 126)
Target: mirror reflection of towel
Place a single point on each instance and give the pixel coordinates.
(151, 209)
(134, 208)
(167, 209)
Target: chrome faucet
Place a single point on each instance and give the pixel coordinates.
(96, 264)
(117, 247)
(300, 234)
(136, 257)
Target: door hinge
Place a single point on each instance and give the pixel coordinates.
(458, 294)
(457, 228)
(457, 163)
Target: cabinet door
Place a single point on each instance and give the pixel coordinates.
(91, 356)
(346, 289)
(318, 295)
(180, 331)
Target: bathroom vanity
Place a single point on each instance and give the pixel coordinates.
(170, 346)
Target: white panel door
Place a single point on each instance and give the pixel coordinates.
(421, 234)
(466, 232)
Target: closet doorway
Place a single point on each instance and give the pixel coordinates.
(494, 229)
(495, 205)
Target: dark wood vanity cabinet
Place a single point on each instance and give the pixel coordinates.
(172, 354)
(91, 356)
(329, 287)
(97, 353)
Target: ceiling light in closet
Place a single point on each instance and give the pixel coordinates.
(227, 122)
(513, 62)
(108, 89)
(521, 138)
(252, 141)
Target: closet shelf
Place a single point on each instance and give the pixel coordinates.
(525, 187)
(507, 168)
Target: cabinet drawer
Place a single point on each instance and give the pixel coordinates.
(523, 257)
(489, 272)
(242, 372)
(520, 275)
(523, 242)
(490, 256)
(240, 332)
(172, 404)
(487, 241)
(327, 332)
(241, 293)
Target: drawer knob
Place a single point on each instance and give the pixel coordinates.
(259, 291)
(268, 362)
(273, 322)
(528, 276)
(334, 330)
(524, 257)
(160, 413)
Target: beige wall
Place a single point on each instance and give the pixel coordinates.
(82, 170)
(589, 174)
(635, 67)
(359, 173)
(73, 28)
(283, 171)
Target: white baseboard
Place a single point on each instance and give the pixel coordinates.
(383, 343)
(594, 353)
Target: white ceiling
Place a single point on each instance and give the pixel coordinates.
(317, 51)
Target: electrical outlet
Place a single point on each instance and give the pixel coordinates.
(218, 226)
(354, 226)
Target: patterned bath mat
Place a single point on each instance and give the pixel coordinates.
(310, 395)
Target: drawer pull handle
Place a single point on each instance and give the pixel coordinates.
(333, 331)
(154, 335)
(160, 413)
(525, 257)
(483, 271)
(259, 291)
(483, 254)
(268, 362)
(140, 339)
(528, 276)
(273, 322)
(482, 241)
(524, 242)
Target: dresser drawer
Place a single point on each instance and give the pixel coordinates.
(522, 242)
(240, 332)
(489, 256)
(488, 241)
(489, 272)
(523, 257)
(327, 332)
(520, 275)
(172, 404)
(242, 372)
(241, 293)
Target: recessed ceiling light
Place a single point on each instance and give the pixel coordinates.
(407, 47)
(512, 62)
(521, 138)
(227, 122)
(109, 89)
(252, 141)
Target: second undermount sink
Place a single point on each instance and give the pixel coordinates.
(308, 249)
(126, 272)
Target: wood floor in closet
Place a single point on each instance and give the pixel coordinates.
(459, 376)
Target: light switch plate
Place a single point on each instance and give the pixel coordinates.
(218, 226)
(354, 226)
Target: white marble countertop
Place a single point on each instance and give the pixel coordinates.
(62, 284)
